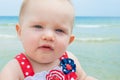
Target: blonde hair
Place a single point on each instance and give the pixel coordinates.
(23, 8)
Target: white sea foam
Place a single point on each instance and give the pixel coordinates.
(7, 24)
(7, 36)
(90, 26)
(96, 39)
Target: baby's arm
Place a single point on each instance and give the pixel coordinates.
(80, 72)
(10, 71)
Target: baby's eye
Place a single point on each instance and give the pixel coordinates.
(59, 30)
(38, 26)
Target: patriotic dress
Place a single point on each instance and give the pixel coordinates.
(66, 70)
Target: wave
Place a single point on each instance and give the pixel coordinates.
(7, 24)
(99, 39)
(88, 26)
(7, 36)
(95, 25)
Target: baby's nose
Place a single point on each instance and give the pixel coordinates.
(48, 36)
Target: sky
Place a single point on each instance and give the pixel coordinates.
(82, 7)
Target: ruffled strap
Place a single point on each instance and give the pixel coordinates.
(64, 56)
(25, 65)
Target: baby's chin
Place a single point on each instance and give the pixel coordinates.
(47, 61)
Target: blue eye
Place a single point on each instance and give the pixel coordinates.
(38, 26)
(59, 30)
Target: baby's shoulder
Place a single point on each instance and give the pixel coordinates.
(11, 69)
(11, 65)
(71, 55)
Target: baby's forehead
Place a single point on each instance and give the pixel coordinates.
(62, 7)
(47, 4)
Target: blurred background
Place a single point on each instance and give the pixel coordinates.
(97, 31)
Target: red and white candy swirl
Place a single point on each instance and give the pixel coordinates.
(55, 75)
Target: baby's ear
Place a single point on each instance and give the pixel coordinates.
(18, 29)
(72, 37)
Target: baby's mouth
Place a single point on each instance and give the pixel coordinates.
(46, 47)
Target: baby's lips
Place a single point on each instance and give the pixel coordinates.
(47, 46)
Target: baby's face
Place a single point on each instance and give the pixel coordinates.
(46, 29)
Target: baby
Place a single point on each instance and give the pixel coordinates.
(45, 30)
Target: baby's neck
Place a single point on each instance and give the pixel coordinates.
(38, 67)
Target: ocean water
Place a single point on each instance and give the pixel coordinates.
(97, 44)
